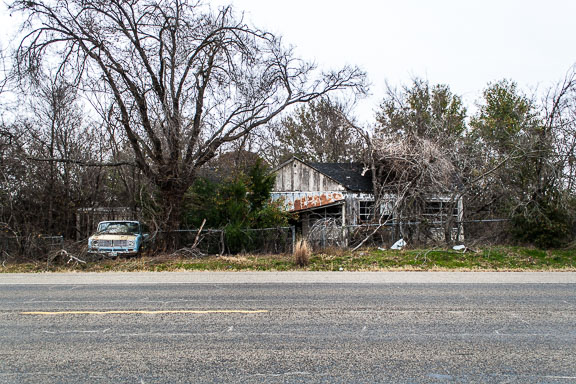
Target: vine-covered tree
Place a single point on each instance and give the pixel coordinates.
(183, 79)
(416, 152)
(422, 110)
(511, 136)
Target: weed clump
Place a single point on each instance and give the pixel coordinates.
(302, 252)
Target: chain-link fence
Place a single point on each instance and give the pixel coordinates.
(221, 241)
(488, 232)
(31, 246)
(327, 233)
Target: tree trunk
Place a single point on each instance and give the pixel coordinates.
(170, 217)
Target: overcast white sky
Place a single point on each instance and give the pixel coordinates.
(462, 43)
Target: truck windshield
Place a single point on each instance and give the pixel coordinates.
(118, 228)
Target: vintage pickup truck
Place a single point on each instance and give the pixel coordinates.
(118, 238)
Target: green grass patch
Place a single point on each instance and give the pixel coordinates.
(369, 259)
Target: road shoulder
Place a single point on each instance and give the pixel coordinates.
(126, 278)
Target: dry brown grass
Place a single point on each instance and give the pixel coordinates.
(236, 259)
(302, 252)
(368, 259)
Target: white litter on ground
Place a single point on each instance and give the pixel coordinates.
(399, 244)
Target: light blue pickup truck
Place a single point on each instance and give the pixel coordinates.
(118, 238)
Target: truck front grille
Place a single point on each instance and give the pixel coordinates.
(112, 243)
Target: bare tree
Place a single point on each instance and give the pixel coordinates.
(560, 121)
(56, 123)
(320, 131)
(44, 193)
(3, 70)
(184, 80)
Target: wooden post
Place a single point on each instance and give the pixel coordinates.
(293, 229)
(344, 234)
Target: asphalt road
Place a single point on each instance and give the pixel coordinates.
(145, 331)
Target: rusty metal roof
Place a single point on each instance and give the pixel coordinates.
(300, 201)
(350, 175)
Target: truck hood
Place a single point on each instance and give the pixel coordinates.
(113, 237)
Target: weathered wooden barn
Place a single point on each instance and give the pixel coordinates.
(342, 192)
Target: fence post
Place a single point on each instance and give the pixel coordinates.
(345, 236)
(222, 244)
(293, 229)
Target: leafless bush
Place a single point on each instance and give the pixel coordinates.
(70, 252)
(409, 162)
(407, 169)
(63, 256)
(326, 232)
(189, 252)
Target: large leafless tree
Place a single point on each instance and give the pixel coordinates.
(184, 79)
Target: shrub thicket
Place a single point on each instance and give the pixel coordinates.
(235, 205)
(547, 225)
